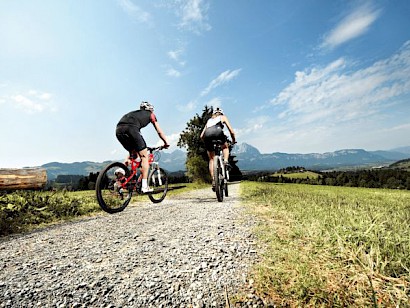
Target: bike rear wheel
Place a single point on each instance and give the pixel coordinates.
(226, 182)
(158, 181)
(111, 197)
(218, 178)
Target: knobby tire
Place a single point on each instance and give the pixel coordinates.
(159, 184)
(109, 198)
(218, 179)
(226, 181)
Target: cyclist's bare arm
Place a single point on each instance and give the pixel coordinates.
(228, 125)
(161, 134)
(203, 133)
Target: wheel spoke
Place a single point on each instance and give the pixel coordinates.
(111, 196)
(158, 181)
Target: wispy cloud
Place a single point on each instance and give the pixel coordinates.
(31, 102)
(353, 25)
(337, 106)
(253, 125)
(172, 141)
(173, 72)
(336, 94)
(135, 11)
(175, 55)
(189, 107)
(220, 80)
(193, 15)
(215, 102)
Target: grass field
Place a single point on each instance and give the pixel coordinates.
(298, 175)
(331, 246)
(22, 211)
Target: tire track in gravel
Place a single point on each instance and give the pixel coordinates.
(187, 251)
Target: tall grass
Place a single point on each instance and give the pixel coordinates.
(331, 246)
(23, 210)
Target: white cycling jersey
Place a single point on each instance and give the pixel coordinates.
(214, 121)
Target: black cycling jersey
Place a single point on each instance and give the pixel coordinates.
(139, 118)
(128, 129)
(213, 133)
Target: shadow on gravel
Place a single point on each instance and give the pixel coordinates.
(214, 200)
(176, 187)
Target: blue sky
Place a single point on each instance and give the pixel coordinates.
(292, 76)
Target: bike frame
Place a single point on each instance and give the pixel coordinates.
(136, 166)
(218, 152)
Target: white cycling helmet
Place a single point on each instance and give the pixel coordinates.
(120, 170)
(218, 110)
(146, 106)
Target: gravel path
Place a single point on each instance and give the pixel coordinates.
(188, 251)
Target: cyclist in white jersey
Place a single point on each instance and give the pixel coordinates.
(213, 130)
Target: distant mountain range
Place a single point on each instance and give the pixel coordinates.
(171, 162)
(249, 159)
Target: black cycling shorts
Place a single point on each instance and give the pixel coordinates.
(130, 137)
(212, 134)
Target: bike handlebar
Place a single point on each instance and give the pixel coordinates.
(152, 149)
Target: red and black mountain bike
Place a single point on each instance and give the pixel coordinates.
(117, 183)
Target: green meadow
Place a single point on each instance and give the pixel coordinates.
(319, 246)
(298, 175)
(330, 246)
(22, 211)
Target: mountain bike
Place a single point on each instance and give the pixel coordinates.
(117, 183)
(221, 172)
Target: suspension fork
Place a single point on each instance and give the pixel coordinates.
(154, 166)
(221, 161)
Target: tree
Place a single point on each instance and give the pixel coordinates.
(197, 157)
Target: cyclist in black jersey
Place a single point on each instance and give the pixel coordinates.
(129, 135)
(213, 130)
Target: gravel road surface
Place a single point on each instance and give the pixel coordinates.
(188, 251)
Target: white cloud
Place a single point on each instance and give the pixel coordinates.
(26, 104)
(174, 54)
(135, 11)
(332, 93)
(173, 72)
(338, 106)
(215, 102)
(220, 80)
(353, 25)
(32, 102)
(188, 107)
(194, 15)
(402, 127)
(253, 126)
(172, 140)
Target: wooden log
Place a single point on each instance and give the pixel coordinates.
(26, 178)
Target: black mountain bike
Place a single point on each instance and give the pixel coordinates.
(221, 172)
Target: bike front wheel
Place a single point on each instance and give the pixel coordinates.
(218, 178)
(158, 181)
(111, 197)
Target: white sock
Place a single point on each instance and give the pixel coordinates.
(144, 183)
